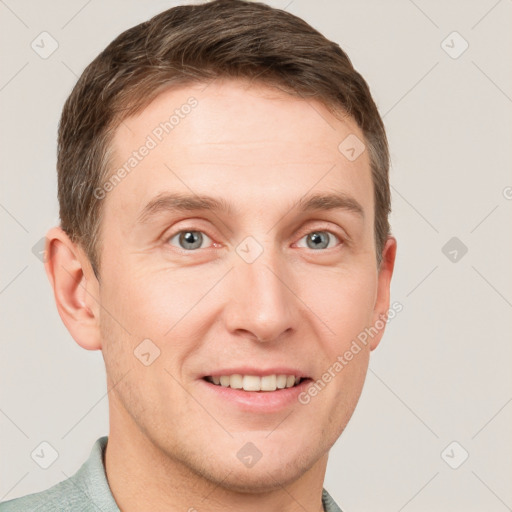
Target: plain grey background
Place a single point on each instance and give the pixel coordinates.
(440, 383)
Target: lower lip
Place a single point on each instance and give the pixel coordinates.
(257, 401)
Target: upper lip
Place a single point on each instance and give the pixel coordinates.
(259, 372)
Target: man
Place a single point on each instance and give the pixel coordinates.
(224, 241)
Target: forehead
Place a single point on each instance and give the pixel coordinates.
(243, 142)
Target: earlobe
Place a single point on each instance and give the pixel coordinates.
(381, 309)
(75, 288)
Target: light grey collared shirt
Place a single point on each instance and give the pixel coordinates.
(88, 491)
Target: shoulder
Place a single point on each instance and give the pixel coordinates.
(86, 490)
(62, 496)
(328, 503)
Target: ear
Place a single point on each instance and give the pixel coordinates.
(380, 312)
(75, 288)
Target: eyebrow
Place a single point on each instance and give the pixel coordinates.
(183, 203)
(173, 202)
(332, 201)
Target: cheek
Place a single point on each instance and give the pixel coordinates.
(343, 301)
(144, 301)
(170, 306)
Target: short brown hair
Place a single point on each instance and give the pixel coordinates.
(199, 43)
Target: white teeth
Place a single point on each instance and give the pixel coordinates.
(281, 381)
(255, 383)
(236, 381)
(268, 383)
(251, 383)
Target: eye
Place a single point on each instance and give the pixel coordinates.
(320, 240)
(189, 239)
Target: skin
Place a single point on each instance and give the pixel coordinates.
(261, 150)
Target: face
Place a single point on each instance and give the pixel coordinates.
(219, 251)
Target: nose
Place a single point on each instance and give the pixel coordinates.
(262, 305)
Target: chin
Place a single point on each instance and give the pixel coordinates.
(265, 476)
(278, 467)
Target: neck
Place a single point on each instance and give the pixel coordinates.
(142, 477)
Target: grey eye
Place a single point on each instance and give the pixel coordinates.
(189, 240)
(319, 239)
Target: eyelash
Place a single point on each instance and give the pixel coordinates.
(340, 238)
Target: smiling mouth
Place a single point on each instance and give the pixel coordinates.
(256, 383)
